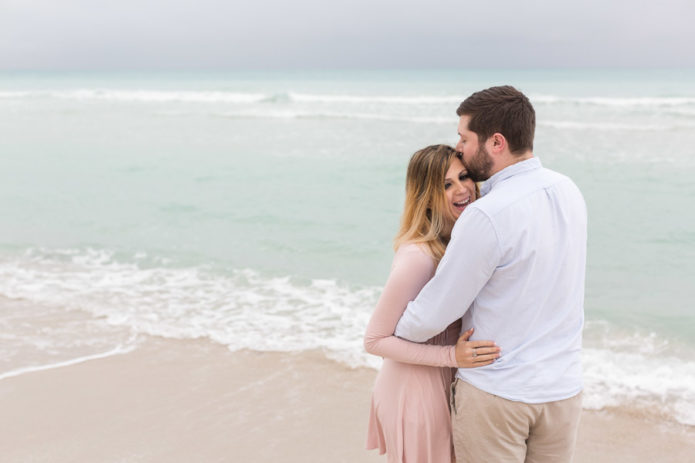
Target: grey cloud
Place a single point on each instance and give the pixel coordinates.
(307, 33)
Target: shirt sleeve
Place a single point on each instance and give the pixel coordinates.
(470, 259)
(411, 269)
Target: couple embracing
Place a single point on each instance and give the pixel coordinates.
(505, 262)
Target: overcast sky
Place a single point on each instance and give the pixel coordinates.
(315, 34)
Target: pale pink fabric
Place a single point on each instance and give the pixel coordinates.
(409, 418)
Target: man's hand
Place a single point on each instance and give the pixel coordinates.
(471, 354)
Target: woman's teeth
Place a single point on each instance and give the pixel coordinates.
(463, 203)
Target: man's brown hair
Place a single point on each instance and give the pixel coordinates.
(502, 110)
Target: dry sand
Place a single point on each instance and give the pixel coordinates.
(194, 401)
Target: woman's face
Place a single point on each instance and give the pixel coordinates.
(458, 188)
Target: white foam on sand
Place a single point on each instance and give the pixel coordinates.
(74, 361)
(243, 309)
(639, 371)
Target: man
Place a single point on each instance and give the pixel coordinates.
(514, 270)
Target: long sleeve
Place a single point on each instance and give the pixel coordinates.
(469, 261)
(411, 270)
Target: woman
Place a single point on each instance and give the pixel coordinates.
(409, 418)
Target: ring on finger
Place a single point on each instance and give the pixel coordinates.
(475, 353)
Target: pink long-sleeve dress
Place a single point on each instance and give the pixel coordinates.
(409, 418)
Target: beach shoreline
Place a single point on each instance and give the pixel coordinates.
(173, 400)
(177, 230)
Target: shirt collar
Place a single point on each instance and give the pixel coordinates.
(510, 171)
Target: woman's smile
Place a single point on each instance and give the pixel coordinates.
(461, 205)
(459, 188)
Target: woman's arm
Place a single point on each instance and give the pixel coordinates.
(411, 269)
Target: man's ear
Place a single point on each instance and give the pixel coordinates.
(497, 143)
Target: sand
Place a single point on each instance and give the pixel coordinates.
(195, 401)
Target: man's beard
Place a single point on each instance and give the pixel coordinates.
(480, 165)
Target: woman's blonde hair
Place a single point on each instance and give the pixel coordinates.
(425, 213)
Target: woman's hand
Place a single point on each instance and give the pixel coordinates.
(471, 354)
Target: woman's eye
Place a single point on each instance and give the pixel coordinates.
(463, 177)
(447, 185)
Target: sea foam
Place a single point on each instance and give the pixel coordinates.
(243, 309)
(626, 102)
(142, 96)
(225, 96)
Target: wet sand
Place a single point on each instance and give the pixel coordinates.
(183, 401)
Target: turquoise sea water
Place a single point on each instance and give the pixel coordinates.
(257, 210)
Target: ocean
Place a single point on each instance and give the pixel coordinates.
(257, 210)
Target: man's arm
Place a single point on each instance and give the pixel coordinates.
(470, 259)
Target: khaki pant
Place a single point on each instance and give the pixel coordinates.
(490, 429)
